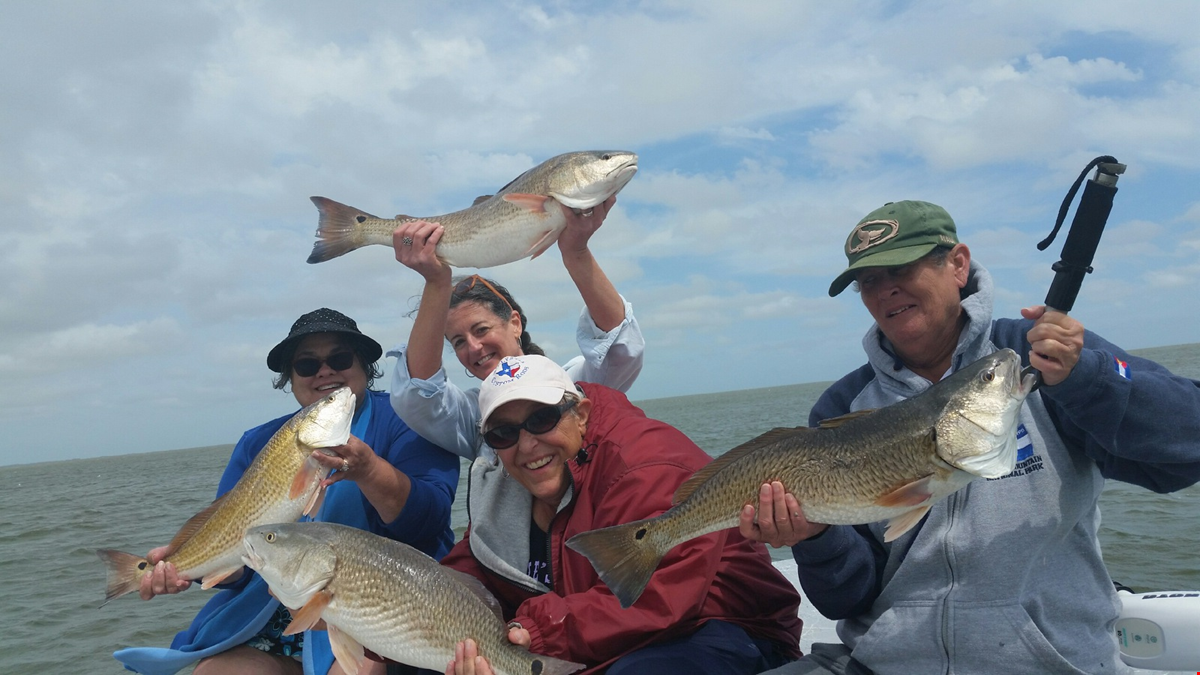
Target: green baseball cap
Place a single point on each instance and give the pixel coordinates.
(895, 234)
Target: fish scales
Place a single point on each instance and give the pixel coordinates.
(893, 463)
(522, 219)
(388, 597)
(209, 547)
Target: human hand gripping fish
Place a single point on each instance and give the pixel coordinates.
(521, 220)
(283, 483)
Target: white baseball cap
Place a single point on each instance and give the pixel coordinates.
(523, 378)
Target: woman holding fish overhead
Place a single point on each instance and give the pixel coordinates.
(387, 480)
(574, 457)
(483, 323)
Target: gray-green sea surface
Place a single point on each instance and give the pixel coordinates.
(53, 516)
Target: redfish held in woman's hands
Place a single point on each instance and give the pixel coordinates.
(522, 220)
(890, 464)
(386, 596)
(280, 485)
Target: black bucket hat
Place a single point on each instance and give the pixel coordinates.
(323, 320)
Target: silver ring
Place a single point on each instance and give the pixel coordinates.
(407, 241)
(345, 465)
(587, 213)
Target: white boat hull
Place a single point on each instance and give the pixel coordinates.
(1157, 632)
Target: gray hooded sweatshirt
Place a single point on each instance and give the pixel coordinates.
(1006, 575)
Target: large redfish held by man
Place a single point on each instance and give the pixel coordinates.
(282, 484)
(890, 464)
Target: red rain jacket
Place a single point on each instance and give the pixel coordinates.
(633, 466)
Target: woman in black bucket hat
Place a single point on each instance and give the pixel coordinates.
(387, 480)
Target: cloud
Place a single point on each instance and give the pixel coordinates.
(158, 158)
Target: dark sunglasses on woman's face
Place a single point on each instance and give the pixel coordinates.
(539, 422)
(308, 366)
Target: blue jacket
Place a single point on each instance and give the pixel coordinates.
(241, 609)
(1006, 574)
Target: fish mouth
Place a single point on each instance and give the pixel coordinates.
(251, 558)
(1029, 382)
(631, 166)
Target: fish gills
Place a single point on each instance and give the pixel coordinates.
(281, 484)
(890, 464)
(385, 596)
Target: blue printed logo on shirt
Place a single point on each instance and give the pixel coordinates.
(1024, 444)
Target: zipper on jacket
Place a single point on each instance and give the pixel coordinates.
(947, 629)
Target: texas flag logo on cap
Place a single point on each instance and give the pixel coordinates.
(511, 369)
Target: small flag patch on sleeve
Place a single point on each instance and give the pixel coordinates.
(1122, 368)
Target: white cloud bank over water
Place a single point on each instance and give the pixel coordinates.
(157, 158)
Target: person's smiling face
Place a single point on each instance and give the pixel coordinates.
(322, 346)
(917, 306)
(480, 338)
(539, 462)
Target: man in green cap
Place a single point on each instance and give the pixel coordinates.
(1005, 575)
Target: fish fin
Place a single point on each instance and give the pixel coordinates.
(623, 555)
(481, 199)
(476, 586)
(909, 494)
(548, 665)
(307, 616)
(193, 525)
(835, 422)
(217, 577)
(346, 650)
(531, 203)
(309, 473)
(903, 523)
(124, 572)
(544, 243)
(315, 501)
(337, 229)
(689, 486)
(403, 216)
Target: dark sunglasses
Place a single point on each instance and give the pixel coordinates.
(464, 286)
(539, 422)
(308, 366)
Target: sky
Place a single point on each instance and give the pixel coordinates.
(157, 159)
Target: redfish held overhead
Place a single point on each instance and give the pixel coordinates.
(521, 220)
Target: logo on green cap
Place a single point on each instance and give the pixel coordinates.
(871, 233)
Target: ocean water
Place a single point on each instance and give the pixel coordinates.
(53, 516)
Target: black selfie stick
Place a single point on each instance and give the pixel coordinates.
(1086, 228)
(1084, 236)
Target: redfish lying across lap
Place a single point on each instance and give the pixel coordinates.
(386, 596)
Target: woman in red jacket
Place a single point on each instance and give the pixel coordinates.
(573, 459)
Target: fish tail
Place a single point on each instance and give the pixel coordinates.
(125, 572)
(623, 555)
(338, 230)
(548, 665)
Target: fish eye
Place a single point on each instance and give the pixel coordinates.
(989, 375)
(270, 537)
(606, 156)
